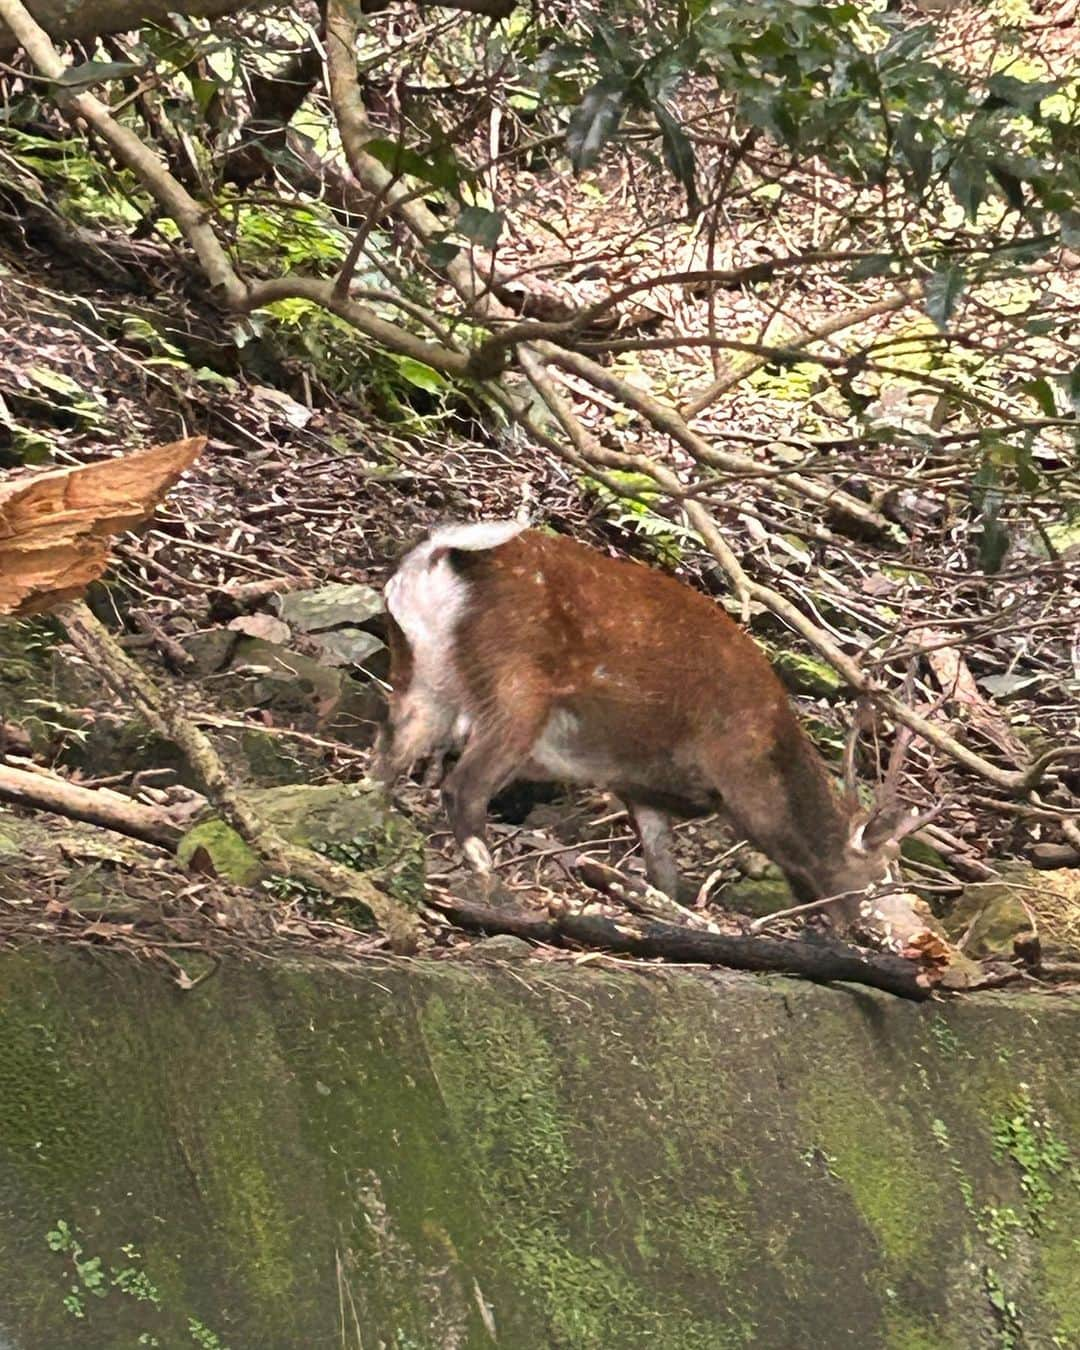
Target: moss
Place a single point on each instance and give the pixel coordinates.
(499, 1081)
(239, 1176)
(353, 825)
(805, 675)
(711, 1236)
(907, 1333)
(878, 1158)
(231, 857)
(1060, 1270)
(756, 896)
(590, 1159)
(51, 1112)
(268, 762)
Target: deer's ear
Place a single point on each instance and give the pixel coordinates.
(878, 828)
(884, 827)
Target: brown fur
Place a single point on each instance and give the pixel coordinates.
(673, 706)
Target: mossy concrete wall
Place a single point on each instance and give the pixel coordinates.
(293, 1157)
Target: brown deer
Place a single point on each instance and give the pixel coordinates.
(539, 658)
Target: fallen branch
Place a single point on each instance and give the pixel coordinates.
(586, 445)
(825, 962)
(907, 295)
(95, 806)
(637, 895)
(105, 655)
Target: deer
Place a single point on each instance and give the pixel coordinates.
(532, 656)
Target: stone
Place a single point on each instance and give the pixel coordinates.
(210, 650)
(348, 822)
(755, 897)
(504, 947)
(346, 646)
(584, 1159)
(988, 918)
(229, 856)
(326, 607)
(806, 675)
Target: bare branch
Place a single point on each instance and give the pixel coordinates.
(97, 806)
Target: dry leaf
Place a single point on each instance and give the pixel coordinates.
(263, 626)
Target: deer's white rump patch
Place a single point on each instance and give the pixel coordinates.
(426, 597)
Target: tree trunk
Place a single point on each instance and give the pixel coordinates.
(65, 20)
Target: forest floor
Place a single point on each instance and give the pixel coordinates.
(305, 484)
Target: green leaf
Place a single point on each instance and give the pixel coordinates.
(443, 171)
(993, 537)
(441, 253)
(55, 381)
(1043, 395)
(967, 178)
(908, 45)
(1011, 186)
(1074, 389)
(1023, 94)
(557, 57)
(203, 92)
(422, 376)
(678, 153)
(96, 72)
(942, 292)
(483, 227)
(912, 138)
(595, 121)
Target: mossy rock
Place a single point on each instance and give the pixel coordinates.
(579, 1159)
(300, 692)
(337, 605)
(915, 850)
(806, 675)
(231, 858)
(757, 896)
(109, 744)
(991, 916)
(350, 823)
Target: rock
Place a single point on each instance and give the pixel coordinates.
(210, 650)
(261, 626)
(346, 646)
(915, 850)
(1055, 901)
(504, 947)
(229, 857)
(108, 744)
(347, 822)
(991, 916)
(606, 1159)
(269, 761)
(328, 607)
(301, 691)
(755, 897)
(806, 675)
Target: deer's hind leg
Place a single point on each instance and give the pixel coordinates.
(494, 753)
